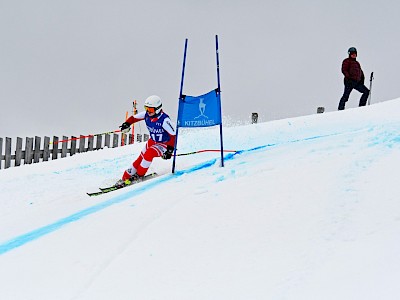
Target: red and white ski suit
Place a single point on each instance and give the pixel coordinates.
(162, 134)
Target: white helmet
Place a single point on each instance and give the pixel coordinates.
(153, 102)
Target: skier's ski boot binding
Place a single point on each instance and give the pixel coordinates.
(134, 178)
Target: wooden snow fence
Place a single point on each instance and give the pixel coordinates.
(35, 151)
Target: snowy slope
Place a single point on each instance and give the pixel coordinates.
(308, 209)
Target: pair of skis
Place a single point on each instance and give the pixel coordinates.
(106, 190)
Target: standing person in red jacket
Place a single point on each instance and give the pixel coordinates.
(353, 79)
(161, 142)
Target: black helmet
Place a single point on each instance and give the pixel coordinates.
(352, 50)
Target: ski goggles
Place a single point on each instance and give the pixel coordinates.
(151, 110)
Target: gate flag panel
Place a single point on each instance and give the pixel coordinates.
(200, 111)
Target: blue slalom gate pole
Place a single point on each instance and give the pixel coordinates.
(219, 95)
(180, 98)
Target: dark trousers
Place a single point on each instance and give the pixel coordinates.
(348, 87)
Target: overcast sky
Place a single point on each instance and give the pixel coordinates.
(74, 67)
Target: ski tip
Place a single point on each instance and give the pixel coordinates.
(94, 194)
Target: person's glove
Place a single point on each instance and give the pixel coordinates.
(125, 127)
(167, 154)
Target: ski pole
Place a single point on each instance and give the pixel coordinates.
(85, 136)
(201, 151)
(370, 87)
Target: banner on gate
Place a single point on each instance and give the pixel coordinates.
(200, 111)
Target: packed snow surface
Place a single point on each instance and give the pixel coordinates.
(308, 208)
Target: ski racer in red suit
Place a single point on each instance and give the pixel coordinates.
(160, 144)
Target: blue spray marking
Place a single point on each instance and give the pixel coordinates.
(37, 233)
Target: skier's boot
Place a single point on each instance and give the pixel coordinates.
(121, 183)
(135, 178)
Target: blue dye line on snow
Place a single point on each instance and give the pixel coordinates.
(37, 233)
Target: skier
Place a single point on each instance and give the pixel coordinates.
(353, 79)
(161, 142)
